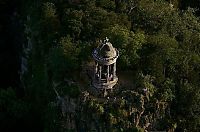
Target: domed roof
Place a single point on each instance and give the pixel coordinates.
(106, 50)
(106, 53)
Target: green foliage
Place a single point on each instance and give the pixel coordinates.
(72, 22)
(150, 15)
(107, 4)
(49, 10)
(153, 38)
(73, 91)
(168, 88)
(148, 85)
(12, 109)
(127, 42)
(63, 59)
(57, 63)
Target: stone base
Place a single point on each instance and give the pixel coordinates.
(104, 88)
(108, 85)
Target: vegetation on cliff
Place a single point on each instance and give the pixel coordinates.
(157, 40)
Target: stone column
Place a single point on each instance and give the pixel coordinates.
(96, 67)
(108, 73)
(95, 70)
(114, 70)
(99, 73)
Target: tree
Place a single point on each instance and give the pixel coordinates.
(127, 42)
(13, 110)
(63, 59)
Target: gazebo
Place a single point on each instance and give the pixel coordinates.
(105, 56)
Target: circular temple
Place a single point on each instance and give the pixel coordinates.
(105, 54)
(105, 57)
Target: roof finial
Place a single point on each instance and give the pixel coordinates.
(106, 40)
(170, 4)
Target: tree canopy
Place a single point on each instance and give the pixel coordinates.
(158, 41)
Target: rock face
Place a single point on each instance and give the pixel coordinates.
(105, 57)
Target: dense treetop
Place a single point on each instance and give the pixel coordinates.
(158, 40)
